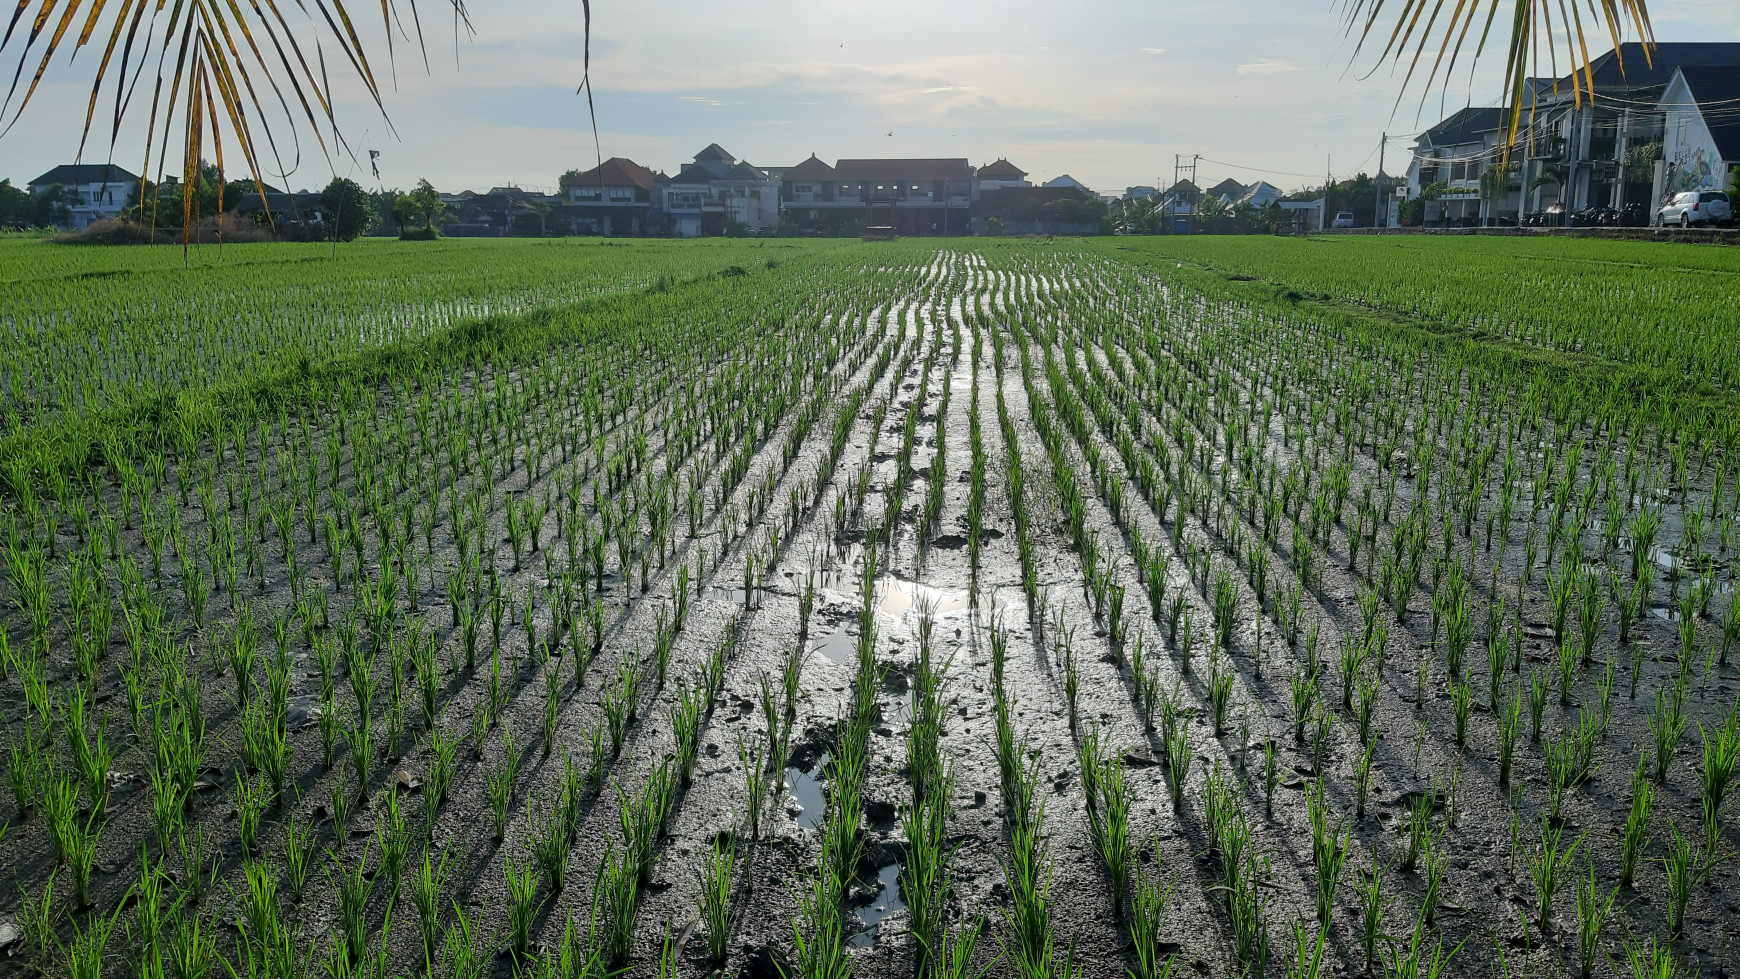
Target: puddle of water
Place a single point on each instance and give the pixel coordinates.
(897, 596)
(733, 595)
(886, 903)
(838, 647)
(806, 788)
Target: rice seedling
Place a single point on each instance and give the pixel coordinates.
(500, 784)
(1593, 906)
(1546, 869)
(716, 889)
(1666, 723)
(1329, 850)
(522, 906)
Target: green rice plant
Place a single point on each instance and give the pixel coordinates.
(60, 804)
(1546, 867)
(37, 919)
(81, 859)
(1419, 828)
(442, 750)
(1225, 607)
(1721, 753)
(1593, 907)
(1651, 960)
(925, 875)
(552, 707)
(1509, 730)
(716, 889)
(522, 906)
(500, 783)
(395, 839)
(755, 779)
(1666, 723)
(360, 738)
(1329, 850)
(1537, 706)
(1461, 702)
(1303, 686)
(353, 885)
(1373, 903)
(1684, 871)
(197, 867)
(685, 721)
(550, 845)
(1416, 960)
(1220, 684)
(1569, 657)
(1148, 903)
(298, 854)
(84, 954)
(619, 898)
(1109, 820)
(1306, 962)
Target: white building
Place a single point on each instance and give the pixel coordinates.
(1700, 137)
(1002, 174)
(717, 191)
(102, 189)
(1067, 182)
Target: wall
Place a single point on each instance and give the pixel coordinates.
(1693, 163)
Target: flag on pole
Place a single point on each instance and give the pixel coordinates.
(375, 162)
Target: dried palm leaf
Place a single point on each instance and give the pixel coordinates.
(1413, 31)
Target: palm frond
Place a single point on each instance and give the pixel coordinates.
(217, 71)
(1413, 32)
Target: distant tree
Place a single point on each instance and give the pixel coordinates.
(424, 204)
(346, 210)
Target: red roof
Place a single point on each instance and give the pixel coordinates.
(811, 169)
(896, 171)
(1001, 170)
(614, 172)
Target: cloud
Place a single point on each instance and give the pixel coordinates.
(1153, 50)
(946, 88)
(699, 98)
(1267, 66)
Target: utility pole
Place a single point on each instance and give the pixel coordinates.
(1377, 212)
(1328, 182)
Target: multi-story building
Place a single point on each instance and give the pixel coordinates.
(907, 197)
(102, 190)
(617, 197)
(717, 194)
(1578, 150)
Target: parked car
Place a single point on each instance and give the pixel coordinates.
(1696, 207)
(1344, 220)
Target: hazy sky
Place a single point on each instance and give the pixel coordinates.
(1107, 90)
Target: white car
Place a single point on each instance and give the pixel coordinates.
(1344, 219)
(1696, 207)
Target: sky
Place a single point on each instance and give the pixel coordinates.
(1108, 91)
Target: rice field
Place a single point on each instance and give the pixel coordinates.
(1148, 607)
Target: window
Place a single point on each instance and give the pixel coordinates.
(622, 195)
(803, 188)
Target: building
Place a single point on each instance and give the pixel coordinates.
(912, 197)
(102, 190)
(1065, 182)
(1228, 192)
(718, 194)
(1449, 159)
(1139, 193)
(1000, 175)
(1700, 133)
(1261, 194)
(617, 197)
(1573, 151)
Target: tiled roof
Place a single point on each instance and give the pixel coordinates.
(895, 171)
(1001, 170)
(811, 169)
(614, 172)
(71, 174)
